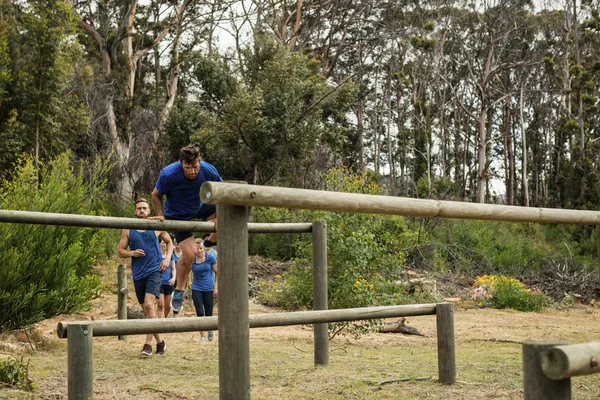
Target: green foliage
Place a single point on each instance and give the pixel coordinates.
(504, 292)
(40, 105)
(48, 270)
(278, 246)
(363, 254)
(271, 124)
(15, 373)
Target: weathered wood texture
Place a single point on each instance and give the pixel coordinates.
(80, 363)
(563, 362)
(444, 315)
(321, 349)
(536, 385)
(122, 295)
(234, 328)
(92, 221)
(268, 196)
(173, 325)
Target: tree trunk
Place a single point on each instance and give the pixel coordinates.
(524, 162)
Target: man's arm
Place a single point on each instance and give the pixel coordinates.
(157, 205)
(167, 260)
(124, 242)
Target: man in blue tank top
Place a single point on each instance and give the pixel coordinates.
(180, 183)
(147, 266)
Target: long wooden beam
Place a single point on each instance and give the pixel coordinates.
(172, 325)
(269, 196)
(92, 221)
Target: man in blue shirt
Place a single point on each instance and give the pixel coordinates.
(180, 183)
(147, 266)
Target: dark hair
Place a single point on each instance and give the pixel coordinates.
(141, 199)
(189, 153)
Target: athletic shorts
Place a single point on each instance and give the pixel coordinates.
(166, 289)
(205, 211)
(148, 284)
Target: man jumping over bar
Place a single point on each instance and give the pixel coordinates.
(180, 183)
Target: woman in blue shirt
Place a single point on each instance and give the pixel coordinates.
(204, 287)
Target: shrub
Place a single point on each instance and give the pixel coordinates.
(48, 270)
(15, 373)
(363, 253)
(504, 292)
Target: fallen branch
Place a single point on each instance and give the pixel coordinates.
(423, 378)
(400, 327)
(497, 340)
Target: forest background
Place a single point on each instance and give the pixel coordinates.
(429, 99)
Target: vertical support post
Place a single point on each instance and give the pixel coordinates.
(444, 315)
(80, 362)
(122, 295)
(320, 297)
(536, 385)
(234, 326)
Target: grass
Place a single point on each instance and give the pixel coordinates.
(281, 362)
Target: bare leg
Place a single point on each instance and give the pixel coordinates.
(167, 302)
(149, 301)
(188, 246)
(213, 235)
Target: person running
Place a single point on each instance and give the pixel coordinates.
(204, 287)
(167, 284)
(147, 265)
(179, 183)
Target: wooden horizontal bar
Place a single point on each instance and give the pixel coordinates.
(92, 221)
(269, 196)
(172, 325)
(562, 362)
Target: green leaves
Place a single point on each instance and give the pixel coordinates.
(48, 270)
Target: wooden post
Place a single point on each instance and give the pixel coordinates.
(320, 298)
(536, 385)
(234, 328)
(122, 295)
(80, 362)
(444, 315)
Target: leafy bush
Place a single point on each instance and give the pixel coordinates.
(363, 253)
(48, 270)
(15, 373)
(504, 292)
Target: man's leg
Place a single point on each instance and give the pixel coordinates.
(211, 240)
(188, 246)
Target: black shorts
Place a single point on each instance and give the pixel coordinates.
(205, 211)
(148, 284)
(167, 290)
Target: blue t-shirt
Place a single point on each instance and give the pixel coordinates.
(182, 194)
(141, 267)
(168, 273)
(203, 274)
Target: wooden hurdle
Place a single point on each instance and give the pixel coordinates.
(80, 337)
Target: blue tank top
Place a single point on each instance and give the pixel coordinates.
(141, 267)
(203, 274)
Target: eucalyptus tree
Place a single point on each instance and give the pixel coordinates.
(41, 112)
(282, 123)
(134, 91)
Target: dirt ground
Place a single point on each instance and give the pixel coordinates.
(488, 349)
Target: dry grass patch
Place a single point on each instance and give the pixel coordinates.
(281, 361)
